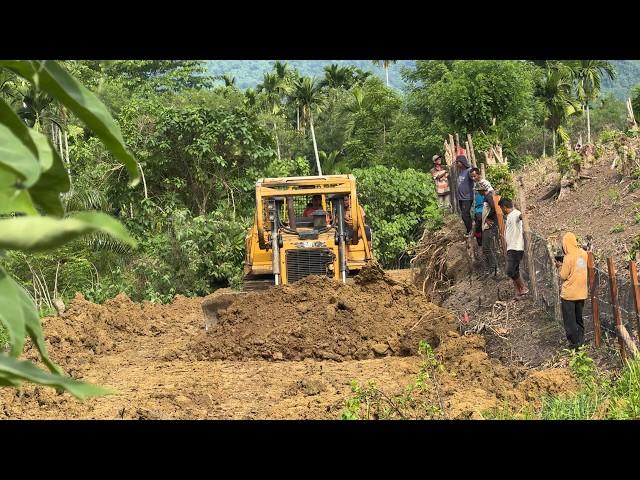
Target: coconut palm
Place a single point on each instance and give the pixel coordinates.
(228, 79)
(558, 100)
(308, 96)
(331, 165)
(336, 76)
(385, 65)
(588, 74)
(274, 88)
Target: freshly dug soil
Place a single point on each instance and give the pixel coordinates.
(322, 318)
(164, 364)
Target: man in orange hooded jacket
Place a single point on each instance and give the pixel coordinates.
(574, 289)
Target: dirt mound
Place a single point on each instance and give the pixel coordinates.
(322, 318)
(87, 329)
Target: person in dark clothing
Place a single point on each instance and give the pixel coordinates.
(490, 244)
(464, 192)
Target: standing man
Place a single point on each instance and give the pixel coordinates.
(464, 192)
(515, 244)
(574, 289)
(490, 245)
(441, 178)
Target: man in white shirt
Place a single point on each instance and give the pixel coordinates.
(514, 236)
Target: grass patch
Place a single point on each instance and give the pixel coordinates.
(599, 397)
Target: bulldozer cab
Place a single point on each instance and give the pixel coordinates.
(301, 227)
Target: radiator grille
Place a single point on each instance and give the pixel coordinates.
(304, 262)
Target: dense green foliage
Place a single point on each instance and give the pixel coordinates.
(395, 230)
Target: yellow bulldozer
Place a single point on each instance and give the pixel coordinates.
(302, 226)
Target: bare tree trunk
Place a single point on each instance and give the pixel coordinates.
(588, 125)
(315, 146)
(554, 142)
(386, 71)
(144, 182)
(297, 119)
(544, 143)
(275, 131)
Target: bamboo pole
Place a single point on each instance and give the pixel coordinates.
(501, 226)
(453, 177)
(613, 284)
(471, 149)
(593, 291)
(633, 269)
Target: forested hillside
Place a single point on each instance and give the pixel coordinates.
(248, 73)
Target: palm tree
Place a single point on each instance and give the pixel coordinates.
(281, 69)
(336, 76)
(308, 96)
(355, 107)
(558, 99)
(274, 88)
(331, 165)
(250, 97)
(385, 64)
(588, 74)
(228, 79)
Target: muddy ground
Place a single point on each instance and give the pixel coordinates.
(288, 353)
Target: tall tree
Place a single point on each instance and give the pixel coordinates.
(336, 76)
(308, 95)
(588, 75)
(385, 65)
(558, 99)
(275, 88)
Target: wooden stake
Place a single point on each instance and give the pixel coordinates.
(613, 284)
(633, 269)
(471, 149)
(628, 341)
(501, 226)
(593, 290)
(457, 140)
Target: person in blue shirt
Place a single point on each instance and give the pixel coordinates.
(478, 201)
(464, 193)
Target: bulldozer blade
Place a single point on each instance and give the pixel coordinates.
(257, 285)
(212, 305)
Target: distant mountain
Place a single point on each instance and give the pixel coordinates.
(628, 76)
(249, 73)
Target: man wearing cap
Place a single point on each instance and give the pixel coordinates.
(489, 226)
(441, 179)
(464, 192)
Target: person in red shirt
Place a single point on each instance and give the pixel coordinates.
(316, 204)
